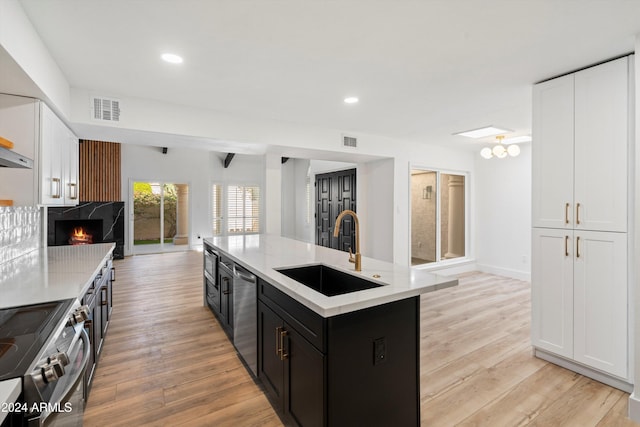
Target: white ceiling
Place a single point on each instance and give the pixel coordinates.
(422, 69)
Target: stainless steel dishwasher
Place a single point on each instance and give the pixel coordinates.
(245, 316)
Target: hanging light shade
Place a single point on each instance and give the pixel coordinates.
(500, 150)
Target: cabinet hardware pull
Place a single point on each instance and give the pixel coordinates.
(74, 187)
(104, 301)
(566, 213)
(566, 245)
(578, 213)
(226, 280)
(55, 194)
(283, 355)
(278, 350)
(578, 247)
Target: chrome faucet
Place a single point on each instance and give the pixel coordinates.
(357, 260)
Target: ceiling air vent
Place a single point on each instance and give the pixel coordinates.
(106, 109)
(349, 141)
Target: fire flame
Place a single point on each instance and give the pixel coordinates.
(80, 237)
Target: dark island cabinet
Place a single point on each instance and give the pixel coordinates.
(218, 287)
(358, 368)
(291, 369)
(99, 301)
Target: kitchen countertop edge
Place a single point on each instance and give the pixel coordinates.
(261, 254)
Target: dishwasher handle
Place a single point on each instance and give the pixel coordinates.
(244, 275)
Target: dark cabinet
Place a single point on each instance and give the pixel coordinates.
(225, 273)
(291, 369)
(218, 287)
(99, 300)
(358, 368)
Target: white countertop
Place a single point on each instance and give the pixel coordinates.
(51, 274)
(9, 392)
(262, 253)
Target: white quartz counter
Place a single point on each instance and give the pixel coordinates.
(51, 274)
(263, 253)
(9, 392)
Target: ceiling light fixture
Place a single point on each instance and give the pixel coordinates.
(483, 132)
(351, 100)
(499, 150)
(172, 58)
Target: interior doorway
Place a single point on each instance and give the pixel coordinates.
(438, 216)
(335, 192)
(160, 220)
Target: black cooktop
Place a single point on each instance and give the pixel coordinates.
(23, 332)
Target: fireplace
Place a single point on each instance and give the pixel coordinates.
(78, 231)
(87, 223)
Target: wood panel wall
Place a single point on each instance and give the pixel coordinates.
(99, 178)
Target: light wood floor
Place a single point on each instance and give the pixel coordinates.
(167, 362)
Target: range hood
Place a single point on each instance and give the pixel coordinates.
(11, 159)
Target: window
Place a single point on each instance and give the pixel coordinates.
(438, 216)
(217, 209)
(242, 209)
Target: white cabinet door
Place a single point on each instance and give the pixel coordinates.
(19, 123)
(71, 170)
(600, 301)
(601, 140)
(552, 291)
(51, 158)
(552, 155)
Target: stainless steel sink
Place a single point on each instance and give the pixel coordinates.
(326, 280)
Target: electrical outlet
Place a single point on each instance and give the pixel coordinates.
(379, 351)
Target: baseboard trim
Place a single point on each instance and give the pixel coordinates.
(615, 382)
(634, 407)
(507, 272)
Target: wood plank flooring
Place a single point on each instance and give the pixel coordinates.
(167, 362)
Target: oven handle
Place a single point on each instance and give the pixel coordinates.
(68, 392)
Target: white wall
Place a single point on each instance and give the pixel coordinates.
(634, 399)
(375, 184)
(183, 166)
(197, 168)
(294, 201)
(21, 41)
(503, 215)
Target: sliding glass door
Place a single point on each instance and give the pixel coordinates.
(160, 217)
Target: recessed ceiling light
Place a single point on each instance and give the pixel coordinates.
(351, 100)
(172, 58)
(483, 132)
(517, 139)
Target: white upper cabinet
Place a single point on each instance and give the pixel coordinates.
(552, 157)
(19, 123)
(601, 140)
(580, 134)
(58, 161)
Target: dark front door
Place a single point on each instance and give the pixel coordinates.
(335, 192)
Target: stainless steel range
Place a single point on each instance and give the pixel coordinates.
(47, 346)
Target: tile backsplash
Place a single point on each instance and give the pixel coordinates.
(20, 231)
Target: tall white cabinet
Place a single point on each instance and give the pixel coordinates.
(581, 132)
(40, 135)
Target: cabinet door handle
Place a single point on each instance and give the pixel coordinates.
(578, 213)
(55, 183)
(278, 349)
(226, 280)
(578, 247)
(566, 245)
(74, 194)
(566, 213)
(283, 335)
(103, 295)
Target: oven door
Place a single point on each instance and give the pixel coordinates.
(66, 406)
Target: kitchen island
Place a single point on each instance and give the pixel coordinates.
(346, 359)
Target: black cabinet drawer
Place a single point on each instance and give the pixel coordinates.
(308, 324)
